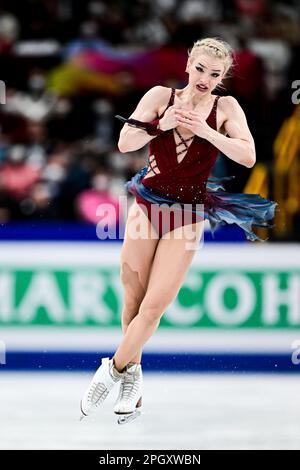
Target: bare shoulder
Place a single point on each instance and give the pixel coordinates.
(163, 89)
(228, 104)
(150, 103)
(159, 92)
(231, 111)
(235, 123)
(162, 94)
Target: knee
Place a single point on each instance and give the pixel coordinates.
(131, 305)
(130, 310)
(152, 309)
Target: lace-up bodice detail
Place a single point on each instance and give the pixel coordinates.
(183, 142)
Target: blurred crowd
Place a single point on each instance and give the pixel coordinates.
(69, 66)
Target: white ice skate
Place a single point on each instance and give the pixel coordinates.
(101, 384)
(129, 400)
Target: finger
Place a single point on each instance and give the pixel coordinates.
(186, 119)
(194, 117)
(181, 119)
(187, 126)
(191, 113)
(185, 123)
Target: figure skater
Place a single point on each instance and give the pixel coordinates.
(186, 129)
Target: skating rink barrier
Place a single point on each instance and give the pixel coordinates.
(237, 311)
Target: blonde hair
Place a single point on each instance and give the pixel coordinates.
(217, 48)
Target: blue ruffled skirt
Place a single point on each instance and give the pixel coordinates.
(221, 208)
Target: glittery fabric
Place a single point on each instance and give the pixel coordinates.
(187, 184)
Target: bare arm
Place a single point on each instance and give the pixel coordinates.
(132, 138)
(239, 146)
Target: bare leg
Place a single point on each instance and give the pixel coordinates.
(136, 261)
(169, 268)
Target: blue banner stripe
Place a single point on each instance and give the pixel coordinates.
(68, 231)
(152, 362)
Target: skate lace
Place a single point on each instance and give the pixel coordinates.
(128, 388)
(97, 393)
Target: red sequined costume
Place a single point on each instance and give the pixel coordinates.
(186, 181)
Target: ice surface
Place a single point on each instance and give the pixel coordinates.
(180, 411)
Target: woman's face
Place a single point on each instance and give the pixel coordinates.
(205, 72)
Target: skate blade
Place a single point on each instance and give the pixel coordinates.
(83, 415)
(127, 418)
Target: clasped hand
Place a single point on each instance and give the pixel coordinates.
(192, 121)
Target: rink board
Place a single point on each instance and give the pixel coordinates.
(238, 308)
